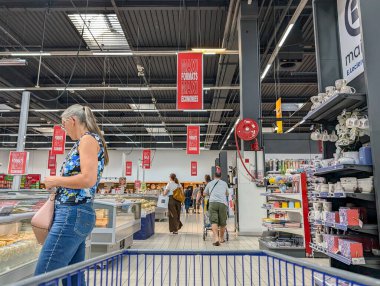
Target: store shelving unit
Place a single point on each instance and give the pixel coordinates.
(344, 170)
(294, 214)
(329, 110)
(341, 258)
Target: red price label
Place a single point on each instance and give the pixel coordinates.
(193, 140)
(189, 81)
(17, 163)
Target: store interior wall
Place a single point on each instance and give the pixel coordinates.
(164, 162)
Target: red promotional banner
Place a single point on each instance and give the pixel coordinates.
(189, 81)
(59, 141)
(52, 161)
(128, 168)
(53, 172)
(146, 159)
(193, 140)
(218, 170)
(17, 163)
(137, 184)
(194, 168)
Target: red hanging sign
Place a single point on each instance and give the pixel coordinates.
(128, 168)
(18, 162)
(218, 170)
(53, 172)
(193, 140)
(59, 141)
(189, 81)
(146, 159)
(137, 184)
(52, 161)
(194, 168)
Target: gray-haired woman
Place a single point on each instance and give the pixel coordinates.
(74, 216)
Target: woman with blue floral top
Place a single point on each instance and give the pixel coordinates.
(74, 216)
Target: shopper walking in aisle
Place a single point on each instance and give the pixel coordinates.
(217, 190)
(188, 196)
(194, 198)
(74, 216)
(174, 206)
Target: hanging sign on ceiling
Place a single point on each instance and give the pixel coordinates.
(194, 168)
(279, 115)
(146, 159)
(52, 161)
(189, 81)
(137, 184)
(53, 172)
(18, 162)
(350, 39)
(128, 168)
(59, 141)
(193, 140)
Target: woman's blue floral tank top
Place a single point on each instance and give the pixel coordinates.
(71, 167)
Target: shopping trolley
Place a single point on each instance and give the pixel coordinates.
(207, 224)
(159, 267)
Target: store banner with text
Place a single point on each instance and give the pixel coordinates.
(128, 168)
(59, 141)
(53, 172)
(279, 115)
(52, 161)
(350, 39)
(146, 159)
(193, 140)
(194, 168)
(18, 162)
(189, 81)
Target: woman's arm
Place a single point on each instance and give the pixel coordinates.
(166, 190)
(88, 153)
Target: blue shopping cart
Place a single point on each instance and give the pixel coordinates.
(151, 267)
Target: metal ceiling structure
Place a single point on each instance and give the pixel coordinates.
(154, 31)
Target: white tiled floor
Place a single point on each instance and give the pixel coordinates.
(202, 270)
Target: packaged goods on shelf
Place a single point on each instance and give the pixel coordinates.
(352, 216)
(350, 249)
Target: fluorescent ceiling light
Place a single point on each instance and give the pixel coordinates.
(209, 53)
(133, 88)
(112, 124)
(290, 130)
(13, 62)
(112, 53)
(194, 110)
(145, 110)
(30, 54)
(44, 130)
(12, 89)
(155, 124)
(196, 124)
(99, 110)
(70, 88)
(302, 122)
(283, 39)
(164, 142)
(265, 72)
(4, 110)
(100, 30)
(208, 50)
(46, 110)
(206, 88)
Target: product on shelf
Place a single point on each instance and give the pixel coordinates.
(350, 249)
(352, 216)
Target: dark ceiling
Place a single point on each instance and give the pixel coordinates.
(153, 27)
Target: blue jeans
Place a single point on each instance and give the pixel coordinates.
(65, 243)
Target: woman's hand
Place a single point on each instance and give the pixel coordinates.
(51, 182)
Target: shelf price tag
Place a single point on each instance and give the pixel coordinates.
(59, 141)
(358, 261)
(18, 162)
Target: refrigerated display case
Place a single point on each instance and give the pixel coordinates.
(116, 222)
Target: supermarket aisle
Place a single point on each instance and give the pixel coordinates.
(190, 237)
